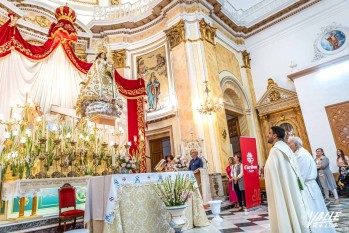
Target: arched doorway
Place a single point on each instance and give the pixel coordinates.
(237, 109)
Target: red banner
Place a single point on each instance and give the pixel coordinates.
(251, 176)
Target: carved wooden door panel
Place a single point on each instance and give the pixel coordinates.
(234, 134)
(338, 116)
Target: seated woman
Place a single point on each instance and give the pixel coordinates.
(170, 165)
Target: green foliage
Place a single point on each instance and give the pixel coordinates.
(175, 192)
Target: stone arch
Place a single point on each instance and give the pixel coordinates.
(229, 83)
(236, 101)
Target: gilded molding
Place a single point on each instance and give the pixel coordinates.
(246, 58)
(207, 31)
(276, 99)
(119, 58)
(271, 83)
(176, 34)
(115, 2)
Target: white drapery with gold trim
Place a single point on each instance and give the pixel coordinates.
(52, 81)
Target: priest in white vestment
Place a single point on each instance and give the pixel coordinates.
(286, 207)
(312, 193)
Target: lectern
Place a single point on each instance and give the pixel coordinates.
(202, 178)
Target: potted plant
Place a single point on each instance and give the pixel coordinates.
(174, 194)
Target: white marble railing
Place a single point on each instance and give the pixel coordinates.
(125, 10)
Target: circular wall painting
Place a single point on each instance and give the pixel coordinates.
(333, 40)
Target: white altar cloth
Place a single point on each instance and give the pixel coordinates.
(37, 187)
(126, 203)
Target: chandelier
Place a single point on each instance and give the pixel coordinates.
(210, 105)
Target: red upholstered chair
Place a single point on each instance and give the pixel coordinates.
(66, 199)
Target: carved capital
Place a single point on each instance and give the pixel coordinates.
(264, 117)
(119, 58)
(246, 58)
(176, 34)
(115, 2)
(207, 31)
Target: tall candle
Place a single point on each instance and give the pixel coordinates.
(72, 128)
(33, 134)
(43, 127)
(96, 144)
(47, 139)
(113, 159)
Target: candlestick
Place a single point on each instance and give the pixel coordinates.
(33, 134)
(113, 159)
(43, 127)
(46, 139)
(72, 128)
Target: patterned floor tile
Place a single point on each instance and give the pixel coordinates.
(231, 230)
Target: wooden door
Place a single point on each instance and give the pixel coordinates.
(157, 148)
(234, 134)
(338, 116)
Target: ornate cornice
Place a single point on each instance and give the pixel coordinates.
(162, 8)
(176, 34)
(207, 31)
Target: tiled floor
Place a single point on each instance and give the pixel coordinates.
(257, 221)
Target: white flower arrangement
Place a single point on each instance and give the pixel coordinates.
(129, 163)
(180, 162)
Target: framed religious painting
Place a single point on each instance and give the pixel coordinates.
(332, 40)
(152, 67)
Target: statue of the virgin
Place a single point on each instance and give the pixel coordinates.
(99, 93)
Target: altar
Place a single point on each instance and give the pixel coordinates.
(38, 196)
(128, 203)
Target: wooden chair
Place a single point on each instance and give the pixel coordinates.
(66, 199)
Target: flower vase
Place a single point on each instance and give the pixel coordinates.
(216, 209)
(177, 213)
(124, 170)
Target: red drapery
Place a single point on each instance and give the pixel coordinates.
(11, 39)
(133, 90)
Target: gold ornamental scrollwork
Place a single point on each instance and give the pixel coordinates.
(271, 83)
(274, 95)
(119, 58)
(176, 34)
(115, 2)
(207, 31)
(246, 59)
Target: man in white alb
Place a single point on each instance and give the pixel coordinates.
(286, 207)
(313, 198)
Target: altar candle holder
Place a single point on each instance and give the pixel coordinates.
(115, 156)
(105, 158)
(95, 161)
(56, 158)
(81, 165)
(72, 173)
(64, 164)
(42, 157)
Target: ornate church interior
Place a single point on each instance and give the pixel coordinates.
(156, 116)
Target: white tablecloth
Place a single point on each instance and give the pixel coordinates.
(37, 187)
(127, 203)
